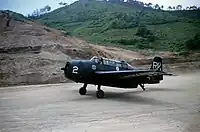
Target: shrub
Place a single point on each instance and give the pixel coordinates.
(127, 41)
(151, 38)
(142, 31)
(194, 43)
(67, 34)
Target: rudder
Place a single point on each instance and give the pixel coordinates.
(157, 64)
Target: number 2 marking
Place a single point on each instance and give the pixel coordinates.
(75, 69)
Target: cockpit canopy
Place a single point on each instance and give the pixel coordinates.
(110, 62)
(96, 59)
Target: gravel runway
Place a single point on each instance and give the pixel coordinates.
(171, 106)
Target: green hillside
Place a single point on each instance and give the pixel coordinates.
(128, 25)
(14, 15)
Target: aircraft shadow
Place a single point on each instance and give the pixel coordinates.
(163, 89)
(129, 96)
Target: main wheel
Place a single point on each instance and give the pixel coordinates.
(100, 94)
(82, 91)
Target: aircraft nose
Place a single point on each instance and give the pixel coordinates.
(66, 66)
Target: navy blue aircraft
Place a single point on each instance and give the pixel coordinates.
(107, 72)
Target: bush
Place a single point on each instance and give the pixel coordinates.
(127, 41)
(121, 24)
(142, 31)
(151, 38)
(194, 43)
(67, 34)
(142, 46)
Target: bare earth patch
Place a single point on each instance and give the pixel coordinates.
(171, 106)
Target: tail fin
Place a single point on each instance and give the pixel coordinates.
(157, 64)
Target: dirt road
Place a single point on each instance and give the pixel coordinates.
(173, 105)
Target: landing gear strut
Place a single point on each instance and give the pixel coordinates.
(142, 86)
(83, 90)
(99, 93)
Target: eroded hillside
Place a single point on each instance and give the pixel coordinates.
(31, 53)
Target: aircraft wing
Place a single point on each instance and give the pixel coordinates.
(131, 73)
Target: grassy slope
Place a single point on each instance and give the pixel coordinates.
(107, 23)
(14, 15)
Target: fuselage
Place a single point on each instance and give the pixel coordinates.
(82, 71)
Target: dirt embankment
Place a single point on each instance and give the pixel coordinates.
(31, 53)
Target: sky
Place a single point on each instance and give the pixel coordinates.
(26, 7)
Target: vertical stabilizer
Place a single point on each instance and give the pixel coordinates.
(157, 64)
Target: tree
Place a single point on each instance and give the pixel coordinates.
(193, 43)
(62, 3)
(36, 13)
(46, 9)
(193, 8)
(170, 8)
(179, 7)
(149, 4)
(157, 6)
(142, 31)
(141, 3)
(162, 7)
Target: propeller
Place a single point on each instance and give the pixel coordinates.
(66, 66)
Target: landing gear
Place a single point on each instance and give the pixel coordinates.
(142, 86)
(99, 93)
(83, 90)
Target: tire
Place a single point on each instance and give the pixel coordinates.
(100, 94)
(82, 91)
